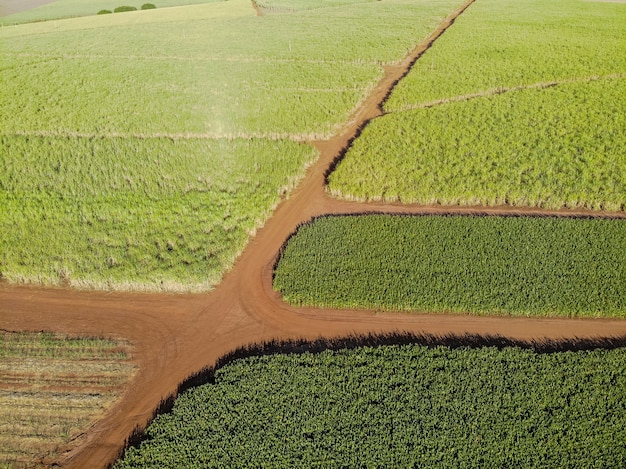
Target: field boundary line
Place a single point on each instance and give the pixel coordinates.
(272, 136)
(196, 59)
(504, 90)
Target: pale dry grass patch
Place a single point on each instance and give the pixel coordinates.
(54, 387)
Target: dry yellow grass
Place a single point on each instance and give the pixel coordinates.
(52, 388)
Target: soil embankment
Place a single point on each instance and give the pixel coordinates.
(176, 335)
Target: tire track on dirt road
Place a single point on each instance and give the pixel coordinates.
(177, 335)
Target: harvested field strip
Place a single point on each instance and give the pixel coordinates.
(105, 365)
(399, 406)
(23, 346)
(503, 90)
(94, 377)
(45, 400)
(523, 266)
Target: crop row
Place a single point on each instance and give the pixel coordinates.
(558, 147)
(47, 345)
(505, 43)
(399, 406)
(52, 388)
(482, 265)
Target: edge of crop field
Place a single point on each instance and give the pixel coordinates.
(351, 342)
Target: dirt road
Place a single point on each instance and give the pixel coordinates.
(177, 335)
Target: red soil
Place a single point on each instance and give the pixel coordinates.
(177, 335)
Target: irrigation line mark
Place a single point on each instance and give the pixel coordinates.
(505, 90)
(269, 60)
(272, 136)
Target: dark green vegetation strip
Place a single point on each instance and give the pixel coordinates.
(400, 406)
(482, 265)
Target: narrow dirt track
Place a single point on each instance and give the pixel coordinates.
(177, 335)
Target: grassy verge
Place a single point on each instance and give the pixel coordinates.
(399, 406)
(53, 387)
(480, 265)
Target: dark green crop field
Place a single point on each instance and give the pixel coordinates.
(482, 265)
(399, 406)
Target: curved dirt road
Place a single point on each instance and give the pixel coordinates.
(177, 335)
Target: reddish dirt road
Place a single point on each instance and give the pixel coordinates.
(177, 335)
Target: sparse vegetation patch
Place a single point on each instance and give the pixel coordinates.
(52, 387)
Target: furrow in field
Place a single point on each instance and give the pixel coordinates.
(70, 382)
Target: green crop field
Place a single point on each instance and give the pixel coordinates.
(52, 388)
(519, 103)
(399, 406)
(141, 150)
(124, 213)
(482, 265)
(558, 147)
(507, 43)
